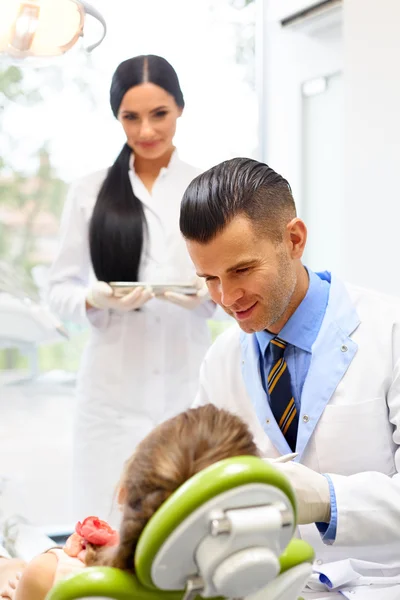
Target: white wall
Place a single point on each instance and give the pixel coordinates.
(323, 208)
(291, 58)
(372, 135)
(368, 52)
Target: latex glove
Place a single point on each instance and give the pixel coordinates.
(189, 301)
(312, 492)
(101, 295)
(282, 459)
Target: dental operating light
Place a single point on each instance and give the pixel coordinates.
(44, 28)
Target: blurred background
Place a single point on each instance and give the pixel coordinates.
(312, 88)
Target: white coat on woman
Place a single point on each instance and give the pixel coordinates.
(141, 367)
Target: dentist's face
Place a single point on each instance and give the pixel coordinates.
(251, 277)
(148, 115)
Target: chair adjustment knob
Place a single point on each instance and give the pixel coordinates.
(245, 572)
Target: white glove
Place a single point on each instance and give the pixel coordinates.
(312, 492)
(101, 295)
(189, 301)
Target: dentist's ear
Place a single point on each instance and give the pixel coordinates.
(296, 231)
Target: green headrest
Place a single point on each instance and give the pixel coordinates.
(196, 491)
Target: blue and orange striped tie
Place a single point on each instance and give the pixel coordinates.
(280, 393)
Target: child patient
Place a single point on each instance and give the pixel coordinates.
(161, 463)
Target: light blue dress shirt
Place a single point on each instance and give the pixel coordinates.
(300, 333)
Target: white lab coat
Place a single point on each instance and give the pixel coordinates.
(139, 368)
(353, 392)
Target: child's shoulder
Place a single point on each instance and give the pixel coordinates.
(38, 577)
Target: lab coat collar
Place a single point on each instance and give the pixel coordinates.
(173, 161)
(332, 353)
(303, 327)
(331, 356)
(340, 307)
(137, 184)
(252, 379)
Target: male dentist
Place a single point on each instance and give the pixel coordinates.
(314, 366)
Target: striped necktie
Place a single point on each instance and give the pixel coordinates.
(280, 393)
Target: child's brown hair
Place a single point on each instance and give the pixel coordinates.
(172, 453)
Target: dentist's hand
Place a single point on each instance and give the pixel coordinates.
(101, 295)
(189, 301)
(312, 492)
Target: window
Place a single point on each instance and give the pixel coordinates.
(55, 126)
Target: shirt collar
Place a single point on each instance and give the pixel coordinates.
(172, 161)
(302, 328)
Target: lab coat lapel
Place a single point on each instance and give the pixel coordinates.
(252, 379)
(140, 191)
(332, 354)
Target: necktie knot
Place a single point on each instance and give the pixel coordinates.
(278, 347)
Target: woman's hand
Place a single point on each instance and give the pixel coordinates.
(189, 301)
(101, 296)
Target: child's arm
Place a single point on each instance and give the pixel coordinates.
(37, 578)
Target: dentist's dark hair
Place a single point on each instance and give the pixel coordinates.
(118, 225)
(240, 186)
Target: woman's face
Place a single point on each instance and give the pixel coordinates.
(148, 115)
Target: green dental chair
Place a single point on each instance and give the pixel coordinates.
(227, 532)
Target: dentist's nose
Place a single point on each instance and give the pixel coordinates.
(230, 294)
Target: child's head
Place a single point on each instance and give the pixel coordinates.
(172, 453)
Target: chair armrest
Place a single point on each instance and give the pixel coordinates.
(106, 582)
(296, 553)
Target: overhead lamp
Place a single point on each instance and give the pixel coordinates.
(44, 28)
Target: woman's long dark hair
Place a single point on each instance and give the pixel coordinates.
(118, 224)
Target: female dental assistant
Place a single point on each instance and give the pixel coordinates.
(141, 363)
